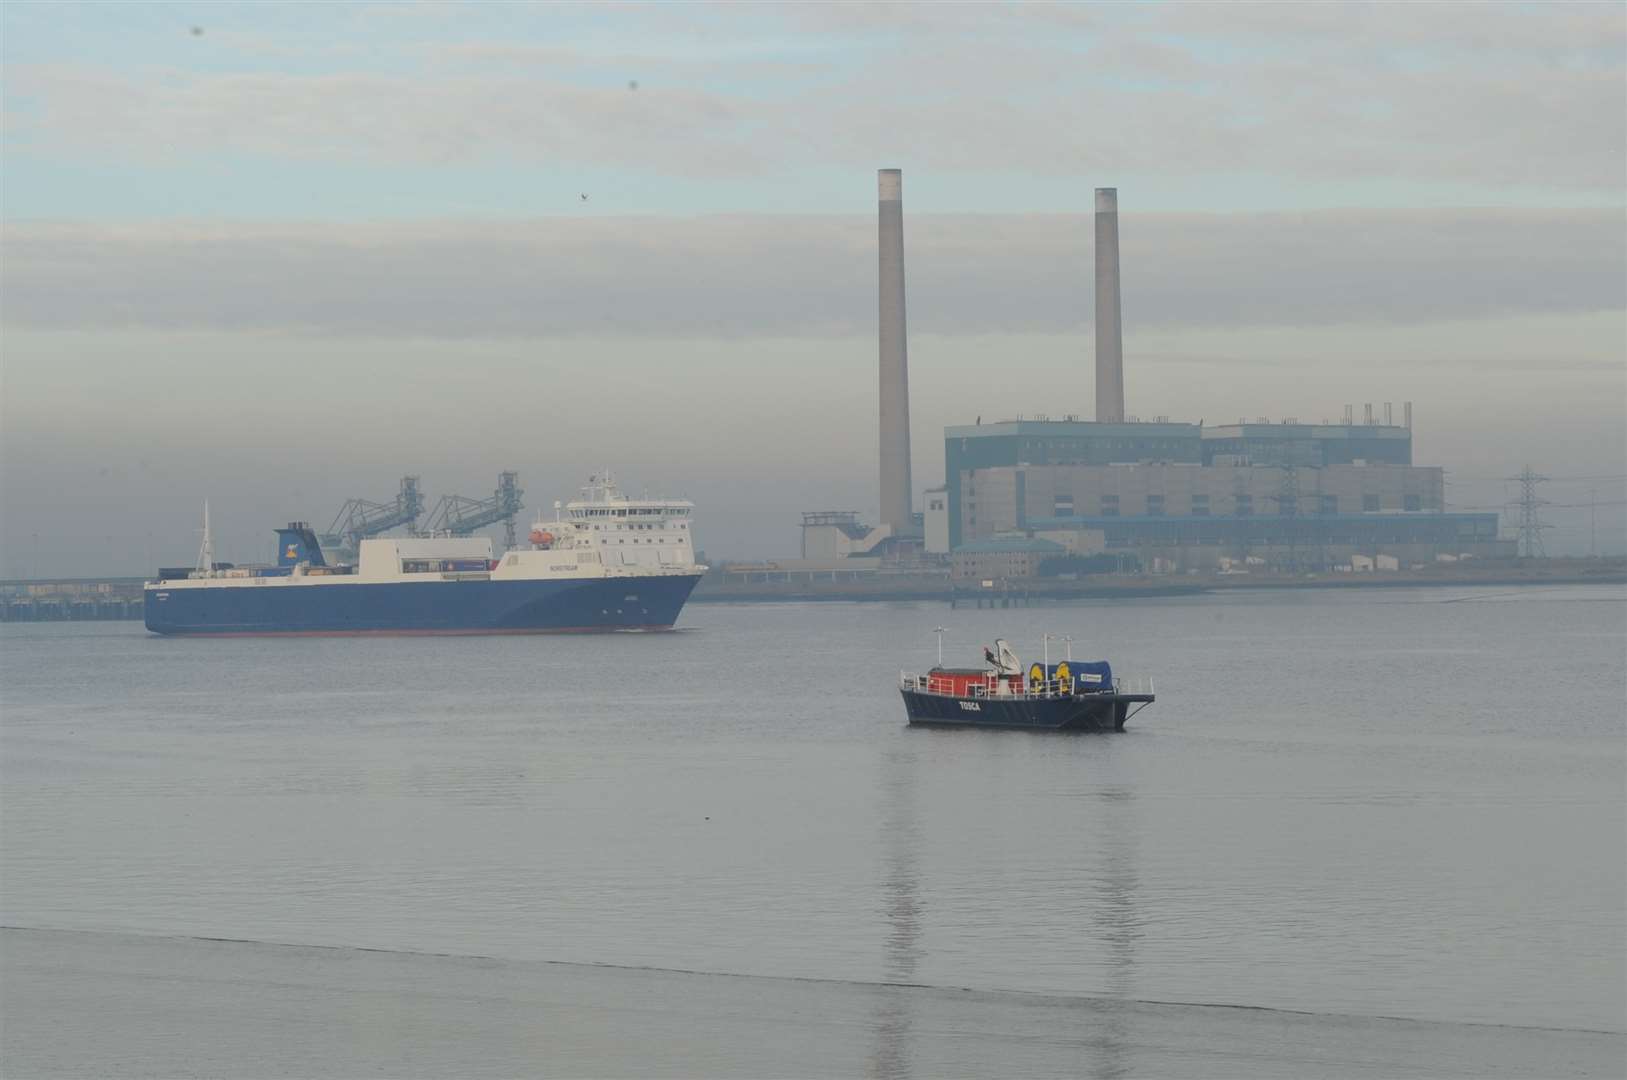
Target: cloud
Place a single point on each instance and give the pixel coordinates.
(381, 118)
(747, 276)
(1490, 96)
(1546, 32)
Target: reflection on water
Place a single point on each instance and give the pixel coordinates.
(1116, 885)
(1117, 921)
(900, 894)
(1107, 846)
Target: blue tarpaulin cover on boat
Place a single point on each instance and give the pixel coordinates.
(1083, 675)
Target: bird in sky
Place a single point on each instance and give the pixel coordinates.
(584, 196)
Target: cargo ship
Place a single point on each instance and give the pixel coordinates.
(607, 562)
(1069, 695)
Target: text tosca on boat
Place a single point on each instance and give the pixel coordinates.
(1070, 695)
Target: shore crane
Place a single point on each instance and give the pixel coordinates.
(459, 516)
(360, 519)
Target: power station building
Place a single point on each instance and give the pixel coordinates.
(1184, 497)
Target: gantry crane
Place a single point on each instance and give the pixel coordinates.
(359, 519)
(460, 516)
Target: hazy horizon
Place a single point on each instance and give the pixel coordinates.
(278, 257)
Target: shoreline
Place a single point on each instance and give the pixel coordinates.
(1021, 592)
(88, 1003)
(119, 599)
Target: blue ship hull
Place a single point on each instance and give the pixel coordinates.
(1065, 712)
(431, 607)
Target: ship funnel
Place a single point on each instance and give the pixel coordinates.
(296, 543)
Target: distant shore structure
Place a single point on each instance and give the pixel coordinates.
(897, 503)
(1109, 326)
(1152, 495)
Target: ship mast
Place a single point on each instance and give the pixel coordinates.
(206, 551)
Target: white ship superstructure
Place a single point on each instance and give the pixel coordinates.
(610, 533)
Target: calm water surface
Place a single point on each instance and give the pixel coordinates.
(1401, 802)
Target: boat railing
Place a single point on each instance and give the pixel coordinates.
(992, 686)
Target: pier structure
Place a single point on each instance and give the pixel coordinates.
(70, 600)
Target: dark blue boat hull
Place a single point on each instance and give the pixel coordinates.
(431, 607)
(1082, 712)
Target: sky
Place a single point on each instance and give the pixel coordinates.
(279, 255)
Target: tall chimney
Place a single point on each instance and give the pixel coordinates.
(896, 500)
(1109, 331)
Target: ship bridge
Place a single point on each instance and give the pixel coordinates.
(627, 531)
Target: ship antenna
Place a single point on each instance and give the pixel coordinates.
(206, 551)
(940, 631)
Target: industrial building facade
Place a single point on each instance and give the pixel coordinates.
(983, 560)
(969, 449)
(1014, 496)
(1185, 497)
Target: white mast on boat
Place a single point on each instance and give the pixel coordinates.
(206, 551)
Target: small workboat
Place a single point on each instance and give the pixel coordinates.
(1069, 695)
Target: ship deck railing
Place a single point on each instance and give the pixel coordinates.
(992, 687)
